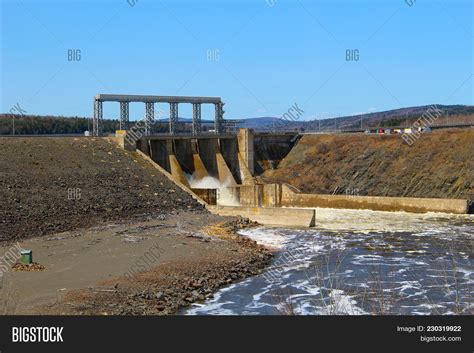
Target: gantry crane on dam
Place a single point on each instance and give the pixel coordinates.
(173, 101)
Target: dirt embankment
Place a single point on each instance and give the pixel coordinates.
(48, 185)
(438, 165)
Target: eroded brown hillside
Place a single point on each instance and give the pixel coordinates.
(439, 164)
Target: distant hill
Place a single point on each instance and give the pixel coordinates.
(404, 116)
(35, 124)
(268, 122)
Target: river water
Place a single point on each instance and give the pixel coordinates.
(359, 262)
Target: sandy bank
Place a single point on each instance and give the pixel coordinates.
(150, 267)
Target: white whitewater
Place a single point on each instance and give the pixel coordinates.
(359, 262)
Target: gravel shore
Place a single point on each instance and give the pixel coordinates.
(171, 286)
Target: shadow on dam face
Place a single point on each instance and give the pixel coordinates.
(270, 149)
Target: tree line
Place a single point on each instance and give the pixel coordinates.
(22, 124)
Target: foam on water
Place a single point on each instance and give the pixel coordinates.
(419, 264)
(367, 221)
(271, 238)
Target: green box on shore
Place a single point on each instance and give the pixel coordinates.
(26, 257)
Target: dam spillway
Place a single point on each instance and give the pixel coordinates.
(238, 157)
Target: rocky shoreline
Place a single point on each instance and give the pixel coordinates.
(170, 287)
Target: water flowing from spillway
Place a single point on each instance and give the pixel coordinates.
(359, 262)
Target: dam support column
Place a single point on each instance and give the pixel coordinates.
(200, 171)
(219, 117)
(173, 118)
(149, 117)
(124, 115)
(225, 175)
(196, 118)
(246, 148)
(176, 171)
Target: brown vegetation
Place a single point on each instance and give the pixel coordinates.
(438, 165)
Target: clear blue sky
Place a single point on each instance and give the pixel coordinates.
(268, 54)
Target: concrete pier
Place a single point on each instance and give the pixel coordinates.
(288, 217)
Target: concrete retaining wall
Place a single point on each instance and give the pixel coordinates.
(288, 217)
(258, 195)
(271, 195)
(378, 203)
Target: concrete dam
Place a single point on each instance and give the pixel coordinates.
(223, 172)
(198, 158)
(231, 159)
